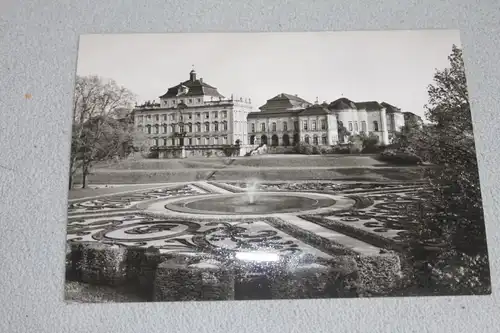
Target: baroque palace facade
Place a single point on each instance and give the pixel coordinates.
(195, 117)
(193, 114)
(288, 119)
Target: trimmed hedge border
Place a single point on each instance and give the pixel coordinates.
(363, 235)
(178, 277)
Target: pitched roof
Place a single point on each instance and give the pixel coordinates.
(284, 96)
(369, 106)
(284, 103)
(342, 104)
(314, 110)
(390, 108)
(195, 87)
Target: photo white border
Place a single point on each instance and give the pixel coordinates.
(38, 56)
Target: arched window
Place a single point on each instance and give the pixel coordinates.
(306, 139)
(181, 128)
(263, 127)
(165, 141)
(149, 129)
(207, 127)
(375, 126)
(273, 127)
(286, 140)
(164, 128)
(173, 142)
(224, 126)
(190, 128)
(216, 126)
(274, 140)
(198, 127)
(285, 126)
(315, 140)
(324, 140)
(172, 128)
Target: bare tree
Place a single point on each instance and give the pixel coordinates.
(96, 102)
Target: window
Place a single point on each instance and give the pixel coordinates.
(173, 142)
(274, 127)
(181, 101)
(157, 117)
(224, 126)
(315, 140)
(148, 118)
(224, 114)
(199, 100)
(190, 116)
(296, 125)
(215, 114)
(165, 141)
(207, 127)
(164, 129)
(350, 126)
(253, 128)
(190, 100)
(172, 128)
(164, 117)
(304, 126)
(216, 127)
(206, 141)
(190, 140)
(157, 142)
(207, 115)
(172, 116)
(149, 129)
(313, 125)
(285, 126)
(323, 124)
(216, 141)
(323, 140)
(198, 127)
(375, 126)
(224, 140)
(363, 126)
(263, 127)
(173, 102)
(356, 126)
(306, 139)
(198, 141)
(190, 128)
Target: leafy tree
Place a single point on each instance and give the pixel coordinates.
(453, 215)
(97, 134)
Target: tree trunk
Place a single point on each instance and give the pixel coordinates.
(84, 177)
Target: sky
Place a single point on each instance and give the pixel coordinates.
(385, 66)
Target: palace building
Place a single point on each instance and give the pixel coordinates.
(288, 119)
(194, 119)
(195, 115)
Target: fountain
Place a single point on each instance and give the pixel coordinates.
(250, 202)
(251, 190)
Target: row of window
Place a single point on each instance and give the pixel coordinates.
(286, 140)
(284, 126)
(189, 128)
(173, 116)
(353, 126)
(188, 141)
(186, 101)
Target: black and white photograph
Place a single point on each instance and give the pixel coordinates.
(284, 165)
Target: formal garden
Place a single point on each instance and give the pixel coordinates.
(353, 221)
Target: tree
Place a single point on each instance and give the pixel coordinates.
(96, 104)
(453, 215)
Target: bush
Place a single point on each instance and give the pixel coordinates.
(304, 148)
(399, 157)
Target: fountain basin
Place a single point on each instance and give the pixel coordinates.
(263, 203)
